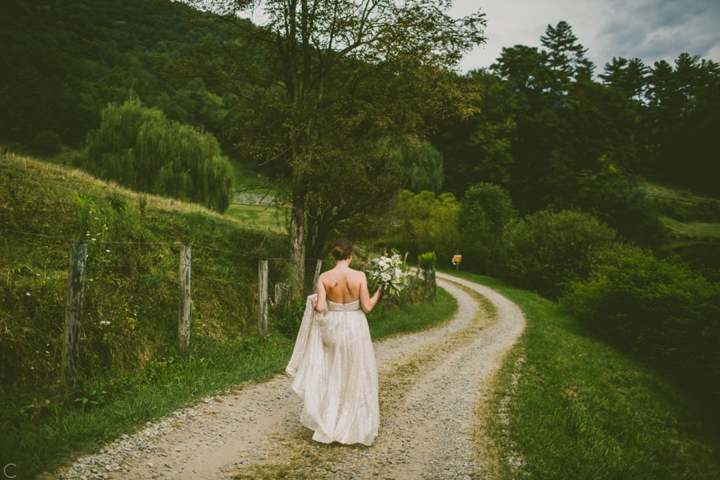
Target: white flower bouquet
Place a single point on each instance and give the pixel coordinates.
(388, 272)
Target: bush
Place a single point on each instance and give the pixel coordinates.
(47, 142)
(546, 251)
(626, 209)
(661, 311)
(287, 318)
(689, 211)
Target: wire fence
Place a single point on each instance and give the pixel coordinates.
(80, 262)
(182, 264)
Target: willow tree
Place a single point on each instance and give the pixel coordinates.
(420, 161)
(320, 78)
(141, 149)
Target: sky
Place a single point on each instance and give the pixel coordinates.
(651, 30)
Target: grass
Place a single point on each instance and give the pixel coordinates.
(248, 181)
(411, 318)
(59, 438)
(260, 216)
(567, 406)
(710, 231)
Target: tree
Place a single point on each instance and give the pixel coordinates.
(420, 161)
(478, 148)
(628, 76)
(316, 71)
(681, 121)
(566, 57)
(141, 149)
(485, 212)
(424, 223)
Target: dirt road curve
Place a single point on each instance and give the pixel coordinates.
(430, 386)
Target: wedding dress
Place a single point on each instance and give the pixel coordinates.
(333, 363)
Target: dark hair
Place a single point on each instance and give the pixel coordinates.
(342, 249)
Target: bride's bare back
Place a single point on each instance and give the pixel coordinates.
(342, 284)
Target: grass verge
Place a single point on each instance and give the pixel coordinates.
(568, 406)
(172, 384)
(411, 318)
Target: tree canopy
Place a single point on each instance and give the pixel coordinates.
(330, 74)
(141, 149)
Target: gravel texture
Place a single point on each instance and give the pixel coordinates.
(430, 388)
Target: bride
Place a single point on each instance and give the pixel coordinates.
(333, 361)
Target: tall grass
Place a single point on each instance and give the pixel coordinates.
(568, 406)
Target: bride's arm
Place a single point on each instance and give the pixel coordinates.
(366, 301)
(321, 296)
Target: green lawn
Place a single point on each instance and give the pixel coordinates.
(693, 230)
(260, 216)
(247, 181)
(568, 406)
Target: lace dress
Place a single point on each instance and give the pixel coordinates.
(336, 375)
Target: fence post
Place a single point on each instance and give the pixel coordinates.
(317, 275)
(262, 297)
(282, 294)
(73, 310)
(185, 301)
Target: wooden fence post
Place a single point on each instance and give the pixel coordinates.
(185, 301)
(262, 297)
(73, 310)
(317, 275)
(282, 294)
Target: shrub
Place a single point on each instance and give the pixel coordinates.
(546, 251)
(661, 311)
(287, 318)
(427, 261)
(625, 208)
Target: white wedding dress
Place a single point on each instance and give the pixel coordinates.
(336, 375)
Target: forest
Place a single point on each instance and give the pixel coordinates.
(587, 184)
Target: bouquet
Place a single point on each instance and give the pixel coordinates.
(387, 272)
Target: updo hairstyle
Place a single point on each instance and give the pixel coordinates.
(342, 249)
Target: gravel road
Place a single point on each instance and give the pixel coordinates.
(430, 389)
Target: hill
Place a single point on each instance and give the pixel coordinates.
(130, 307)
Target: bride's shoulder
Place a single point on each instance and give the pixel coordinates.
(359, 274)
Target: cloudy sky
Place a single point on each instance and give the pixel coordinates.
(649, 29)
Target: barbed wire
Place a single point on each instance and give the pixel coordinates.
(102, 242)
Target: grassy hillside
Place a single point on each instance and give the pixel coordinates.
(131, 298)
(692, 225)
